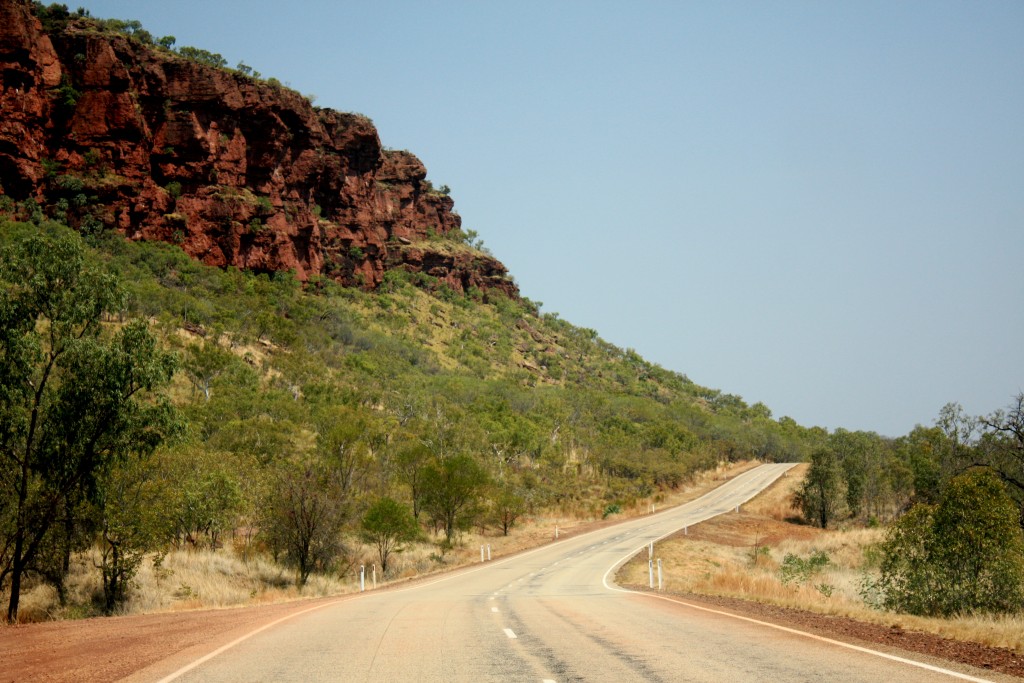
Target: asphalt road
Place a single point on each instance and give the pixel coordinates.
(551, 614)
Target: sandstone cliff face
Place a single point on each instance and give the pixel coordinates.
(106, 130)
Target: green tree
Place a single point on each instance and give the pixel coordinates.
(451, 491)
(821, 496)
(509, 506)
(964, 555)
(203, 363)
(73, 401)
(387, 524)
(127, 511)
(1003, 445)
(410, 464)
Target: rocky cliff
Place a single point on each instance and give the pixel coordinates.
(107, 129)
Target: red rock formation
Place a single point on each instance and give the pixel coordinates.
(240, 172)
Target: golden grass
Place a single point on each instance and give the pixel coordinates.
(197, 579)
(718, 557)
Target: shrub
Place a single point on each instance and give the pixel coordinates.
(611, 509)
(964, 555)
(799, 570)
(202, 56)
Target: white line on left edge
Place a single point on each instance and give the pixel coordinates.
(509, 633)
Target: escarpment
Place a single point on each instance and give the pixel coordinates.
(106, 131)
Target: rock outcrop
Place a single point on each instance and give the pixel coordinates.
(104, 129)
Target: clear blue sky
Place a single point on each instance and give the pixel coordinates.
(816, 205)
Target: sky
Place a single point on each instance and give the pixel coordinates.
(815, 205)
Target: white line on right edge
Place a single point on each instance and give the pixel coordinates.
(857, 648)
(509, 633)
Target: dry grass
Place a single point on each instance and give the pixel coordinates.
(718, 557)
(197, 579)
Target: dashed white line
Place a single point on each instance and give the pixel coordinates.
(494, 609)
(509, 633)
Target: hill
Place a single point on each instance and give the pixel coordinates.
(338, 340)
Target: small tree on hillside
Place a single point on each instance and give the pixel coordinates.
(387, 524)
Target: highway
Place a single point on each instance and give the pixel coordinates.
(549, 614)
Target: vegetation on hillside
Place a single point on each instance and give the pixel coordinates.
(302, 407)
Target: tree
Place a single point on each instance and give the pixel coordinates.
(203, 363)
(508, 507)
(73, 401)
(451, 491)
(821, 496)
(127, 512)
(964, 555)
(410, 463)
(303, 517)
(387, 524)
(1003, 442)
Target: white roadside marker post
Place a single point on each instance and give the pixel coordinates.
(556, 532)
(375, 576)
(659, 573)
(650, 573)
(488, 552)
(481, 553)
(362, 578)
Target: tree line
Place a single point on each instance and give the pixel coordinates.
(954, 494)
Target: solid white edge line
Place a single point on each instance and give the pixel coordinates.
(509, 633)
(849, 646)
(830, 641)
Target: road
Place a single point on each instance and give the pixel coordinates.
(550, 614)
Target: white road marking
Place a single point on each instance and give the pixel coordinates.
(548, 680)
(857, 648)
(509, 633)
(494, 609)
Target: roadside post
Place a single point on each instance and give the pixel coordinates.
(362, 578)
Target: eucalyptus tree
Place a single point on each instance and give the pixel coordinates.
(75, 400)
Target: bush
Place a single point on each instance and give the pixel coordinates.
(795, 569)
(611, 509)
(965, 555)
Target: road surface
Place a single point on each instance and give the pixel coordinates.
(550, 614)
